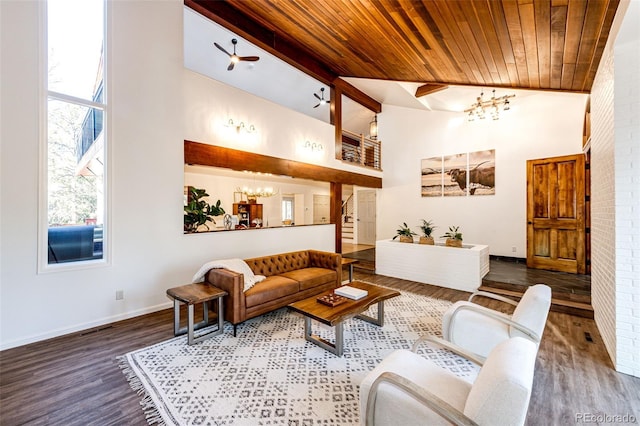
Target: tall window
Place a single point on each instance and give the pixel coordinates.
(76, 141)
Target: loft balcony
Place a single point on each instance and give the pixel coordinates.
(358, 149)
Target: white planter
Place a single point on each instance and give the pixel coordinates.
(456, 268)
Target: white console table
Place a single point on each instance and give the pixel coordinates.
(451, 267)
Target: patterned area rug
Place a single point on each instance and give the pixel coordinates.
(269, 374)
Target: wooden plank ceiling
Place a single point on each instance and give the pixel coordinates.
(529, 44)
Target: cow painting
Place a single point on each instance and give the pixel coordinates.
(478, 177)
(463, 174)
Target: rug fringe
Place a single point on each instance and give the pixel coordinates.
(149, 408)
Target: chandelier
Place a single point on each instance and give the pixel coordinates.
(481, 108)
(252, 194)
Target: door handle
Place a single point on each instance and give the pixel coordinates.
(529, 223)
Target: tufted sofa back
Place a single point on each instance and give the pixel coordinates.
(279, 263)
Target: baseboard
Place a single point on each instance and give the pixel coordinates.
(80, 327)
(508, 259)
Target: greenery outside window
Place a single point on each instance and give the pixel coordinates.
(75, 136)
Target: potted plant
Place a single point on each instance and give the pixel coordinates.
(454, 237)
(198, 212)
(405, 233)
(426, 228)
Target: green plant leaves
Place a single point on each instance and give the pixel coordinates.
(198, 212)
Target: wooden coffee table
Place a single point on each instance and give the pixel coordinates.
(336, 315)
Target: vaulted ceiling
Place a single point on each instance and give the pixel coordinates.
(528, 44)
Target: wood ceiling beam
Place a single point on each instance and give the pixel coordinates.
(357, 95)
(254, 31)
(429, 88)
(200, 154)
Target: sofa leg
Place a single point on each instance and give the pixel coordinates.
(235, 327)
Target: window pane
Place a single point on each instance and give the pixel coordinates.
(75, 182)
(287, 208)
(75, 35)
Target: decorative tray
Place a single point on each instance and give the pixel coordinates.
(331, 299)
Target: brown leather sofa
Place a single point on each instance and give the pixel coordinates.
(290, 277)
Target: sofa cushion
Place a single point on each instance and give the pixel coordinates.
(279, 263)
(311, 277)
(272, 288)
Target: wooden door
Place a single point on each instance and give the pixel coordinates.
(366, 217)
(556, 214)
(320, 209)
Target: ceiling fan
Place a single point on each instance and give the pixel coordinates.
(322, 100)
(234, 57)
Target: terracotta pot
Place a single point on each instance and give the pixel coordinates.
(426, 240)
(406, 239)
(453, 243)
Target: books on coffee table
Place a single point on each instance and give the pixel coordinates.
(351, 292)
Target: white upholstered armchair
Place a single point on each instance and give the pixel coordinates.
(479, 329)
(407, 389)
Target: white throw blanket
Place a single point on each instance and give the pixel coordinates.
(235, 265)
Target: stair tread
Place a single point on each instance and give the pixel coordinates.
(555, 301)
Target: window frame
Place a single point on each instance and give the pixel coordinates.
(43, 264)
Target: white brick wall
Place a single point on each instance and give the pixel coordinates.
(615, 206)
(603, 260)
(627, 206)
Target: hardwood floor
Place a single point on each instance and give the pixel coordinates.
(75, 379)
(350, 247)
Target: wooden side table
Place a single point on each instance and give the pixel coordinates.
(348, 261)
(190, 294)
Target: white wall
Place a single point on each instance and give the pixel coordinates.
(603, 254)
(627, 163)
(150, 253)
(615, 178)
(537, 126)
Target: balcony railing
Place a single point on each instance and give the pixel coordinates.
(361, 150)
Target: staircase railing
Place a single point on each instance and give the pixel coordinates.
(346, 214)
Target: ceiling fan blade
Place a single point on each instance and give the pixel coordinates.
(249, 58)
(316, 95)
(317, 106)
(221, 48)
(231, 65)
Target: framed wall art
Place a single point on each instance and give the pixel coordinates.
(457, 175)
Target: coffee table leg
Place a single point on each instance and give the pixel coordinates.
(336, 348)
(377, 321)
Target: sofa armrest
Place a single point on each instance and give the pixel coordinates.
(328, 260)
(233, 284)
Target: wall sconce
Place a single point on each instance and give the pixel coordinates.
(373, 128)
(313, 147)
(241, 127)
